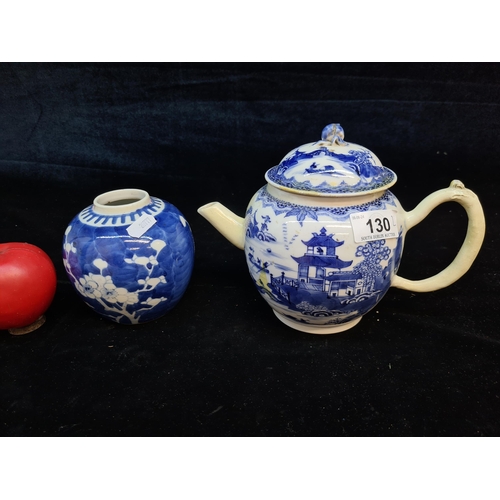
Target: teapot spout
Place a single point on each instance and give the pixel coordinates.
(226, 222)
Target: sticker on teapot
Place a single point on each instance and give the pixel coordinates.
(374, 225)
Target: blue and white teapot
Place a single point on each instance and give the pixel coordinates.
(324, 238)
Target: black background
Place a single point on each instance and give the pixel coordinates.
(220, 363)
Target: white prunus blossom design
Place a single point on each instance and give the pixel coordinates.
(116, 299)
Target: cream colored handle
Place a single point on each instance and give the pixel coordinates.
(470, 247)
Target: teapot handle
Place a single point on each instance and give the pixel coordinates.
(470, 247)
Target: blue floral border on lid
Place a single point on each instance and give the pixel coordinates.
(331, 167)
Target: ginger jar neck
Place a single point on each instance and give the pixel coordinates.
(121, 201)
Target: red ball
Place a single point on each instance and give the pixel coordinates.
(27, 284)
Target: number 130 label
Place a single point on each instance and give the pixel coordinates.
(374, 225)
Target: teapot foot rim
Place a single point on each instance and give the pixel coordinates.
(317, 329)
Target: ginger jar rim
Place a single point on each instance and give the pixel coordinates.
(121, 201)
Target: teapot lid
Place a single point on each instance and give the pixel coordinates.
(331, 167)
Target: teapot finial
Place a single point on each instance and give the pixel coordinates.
(333, 133)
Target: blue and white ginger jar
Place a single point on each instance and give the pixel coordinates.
(129, 256)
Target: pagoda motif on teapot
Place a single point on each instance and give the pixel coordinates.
(304, 262)
(323, 239)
